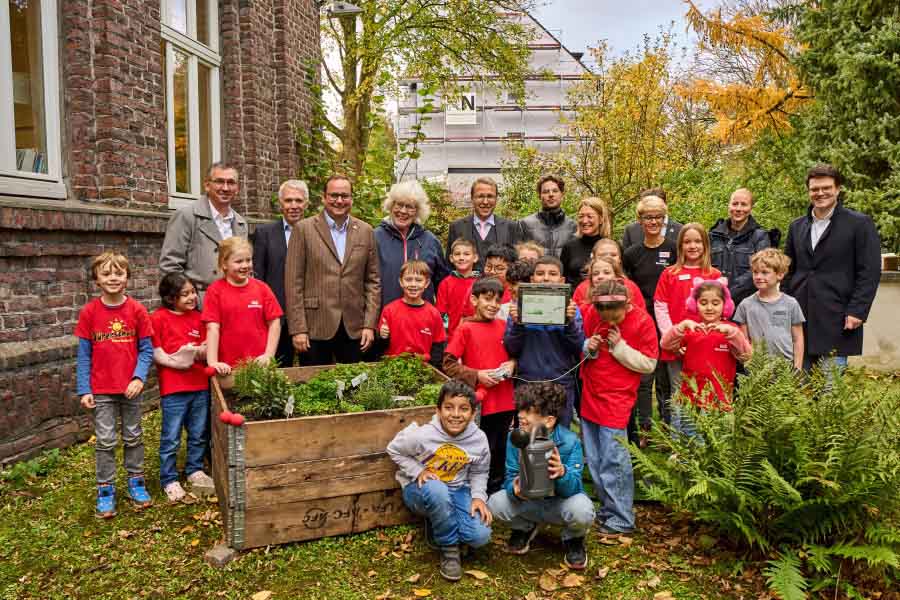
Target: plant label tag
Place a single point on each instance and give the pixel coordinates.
(289, 407)
(359, 379)
(340, 389)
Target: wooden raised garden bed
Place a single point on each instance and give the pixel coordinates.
(304, 478)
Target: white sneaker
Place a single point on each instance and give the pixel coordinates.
(202, 482)
(174, 492)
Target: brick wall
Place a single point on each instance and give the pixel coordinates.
(114, 155)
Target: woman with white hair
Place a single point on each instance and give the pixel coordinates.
(401, 236)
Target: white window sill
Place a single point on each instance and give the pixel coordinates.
(34, 187)
(180, 201)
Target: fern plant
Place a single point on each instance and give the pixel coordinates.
(803, 472)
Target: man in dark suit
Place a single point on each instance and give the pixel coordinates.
(835, 268)
(634, 234)
(332, 281)
(484, 227)
(270, 243)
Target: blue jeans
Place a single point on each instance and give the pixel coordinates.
(448, 510)
(826, 363)
(188, 410)
(575, 513)
(610, 466)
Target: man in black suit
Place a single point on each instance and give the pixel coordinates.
(634, 233)
(270, 253)
(484, 227)
(835, 268)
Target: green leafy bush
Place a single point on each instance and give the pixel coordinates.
(804, 473)
(265, 392)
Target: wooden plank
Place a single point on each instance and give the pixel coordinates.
(307, 480)
(219, 451)
(314, 519)
(328, 436)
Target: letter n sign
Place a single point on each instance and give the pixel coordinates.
(463, 112)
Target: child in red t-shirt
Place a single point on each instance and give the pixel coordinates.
(114, 356)
(477, 356)
(674, 288)
(178, 343)
(499, 260)
(241, 313)
(454, 291)
(411, 324)
(710, 350)
(603, 268)
(620, 343)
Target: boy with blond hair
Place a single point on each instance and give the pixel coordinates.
(770, 314)
(114, 355)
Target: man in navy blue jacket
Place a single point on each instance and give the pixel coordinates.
(835, 268)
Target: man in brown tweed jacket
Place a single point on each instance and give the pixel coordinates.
(332, 284)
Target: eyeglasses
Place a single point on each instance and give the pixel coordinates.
(401, 206)
(495, 268)
(652, 218)
(337, 196)
(224, 182)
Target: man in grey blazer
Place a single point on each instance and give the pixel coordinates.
(270, 244)
(484, 227)
(634, 234)
(191, 245)
(332, 281)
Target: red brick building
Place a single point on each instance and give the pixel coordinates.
(117, 107)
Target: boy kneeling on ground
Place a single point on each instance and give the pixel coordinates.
(443, 470)
(542, 403)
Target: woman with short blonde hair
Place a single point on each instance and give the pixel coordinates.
(401, 236)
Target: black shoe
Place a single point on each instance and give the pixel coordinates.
(429, 535)
(520, 541)
(576, 555)
(451, 564)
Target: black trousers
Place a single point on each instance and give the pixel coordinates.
(496, 428)
(285, 352)
(339, 349)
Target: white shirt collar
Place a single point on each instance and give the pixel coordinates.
(489, 220)
(216, 215)
(333, 224)
(826, 217)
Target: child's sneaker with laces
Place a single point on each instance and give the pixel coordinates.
(576, 555)
(174, 492)
(520, 541)
(137, 491)
(202, 483)
(106, 501)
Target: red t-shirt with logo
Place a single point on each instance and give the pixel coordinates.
(673, 288)
(171, 331)
(581, 295)
(707, 355)
(609, 389)
(479, 344)
(114, 332)
(469, 309)
(454, 299)
(412, 328)
(243, 314)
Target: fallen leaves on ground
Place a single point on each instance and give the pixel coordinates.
(263, 595)
(572, 580)
(421, 592)
(601, 573)
(477, 574)
(414, 578)
(548, 583)
(663, 596)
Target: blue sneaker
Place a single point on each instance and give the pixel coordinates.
(106, 501)
(137, 491)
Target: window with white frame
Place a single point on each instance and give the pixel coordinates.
(190, 45)
(30, 162)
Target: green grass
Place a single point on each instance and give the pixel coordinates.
(52, 546)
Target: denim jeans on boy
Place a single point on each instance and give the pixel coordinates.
(610, 466)
(448, 510)
(826, 363)
(188, 410)
(575, 513)
(683, 424)
(106, 415)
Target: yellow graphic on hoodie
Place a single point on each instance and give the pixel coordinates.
(447, 461)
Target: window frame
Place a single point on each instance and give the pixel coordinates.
(24, 183)
(197, 54)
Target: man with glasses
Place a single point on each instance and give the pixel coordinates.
(483, 227)
(634, 233)
(332, 281)
(191, 245)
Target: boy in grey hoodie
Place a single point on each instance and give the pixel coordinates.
(443, 470)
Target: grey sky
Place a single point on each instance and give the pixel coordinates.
(621, 22)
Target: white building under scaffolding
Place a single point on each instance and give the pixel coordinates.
(467, 141)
